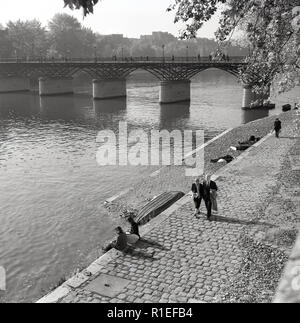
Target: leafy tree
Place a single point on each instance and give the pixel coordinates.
(87, 5)
(64, 33)
(87, 43)
(28, 38)
(271, 28)
(144, 49)
(6, 48)
(69, 38)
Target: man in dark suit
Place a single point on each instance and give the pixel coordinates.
(277, 127)
(134, 227)
(207, 186)
(197, 190)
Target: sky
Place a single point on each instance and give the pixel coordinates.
(129, 17)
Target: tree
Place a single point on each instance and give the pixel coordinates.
(6, 48)
(87, 5)
(28, 38)
(88, 43)
(69, 38)
(271, 28)
(144, 49)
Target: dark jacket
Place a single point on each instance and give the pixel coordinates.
(121, 242)
(207, 188)
(135, 229)
(277, 125)
(194, 189)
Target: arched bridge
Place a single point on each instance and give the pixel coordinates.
(163, 69)
(55, 76)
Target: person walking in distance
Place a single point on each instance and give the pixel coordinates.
(208, 186)
(197, 195)
(277, 127)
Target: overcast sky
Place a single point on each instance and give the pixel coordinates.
(129, 17)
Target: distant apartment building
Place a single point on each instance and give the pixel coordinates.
(115, 37)
(159, 37)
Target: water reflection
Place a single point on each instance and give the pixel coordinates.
(252, 115)
(71, 109)
(174, 115)
(109, 106)
(110, 112)
(22, 105)
(57, 108)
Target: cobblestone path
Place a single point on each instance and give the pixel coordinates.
(196, 259)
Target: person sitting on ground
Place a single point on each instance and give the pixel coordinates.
(246, 144)
(121, 242)
(252, 140)
(227, 159)
(134, 227)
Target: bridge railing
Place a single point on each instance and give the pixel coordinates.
(233, 59)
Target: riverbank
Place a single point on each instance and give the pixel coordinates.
(197, 260)
(173, 178)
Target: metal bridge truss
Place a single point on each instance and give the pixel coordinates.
(170, 71)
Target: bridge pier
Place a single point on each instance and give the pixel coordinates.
(109, 89)
(55, 86)
(175, 91)
(251, 97)
(14, 84)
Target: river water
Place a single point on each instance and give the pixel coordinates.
(52, 219)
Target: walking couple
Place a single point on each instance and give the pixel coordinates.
(207, 190)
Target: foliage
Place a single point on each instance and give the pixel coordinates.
(87, 5)
(28, 38)
(69, 38)
(270, 27)
(6, 47)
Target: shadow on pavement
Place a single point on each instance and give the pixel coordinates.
(139, 253)
(144, 244)
(241, 222)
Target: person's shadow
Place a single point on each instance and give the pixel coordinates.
(146, 243)
(135, 252)
(139, 249)
(222, 219)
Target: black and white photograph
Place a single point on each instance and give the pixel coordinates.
(150, 154)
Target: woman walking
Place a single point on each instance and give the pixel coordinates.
(213, 197)
(197, 190)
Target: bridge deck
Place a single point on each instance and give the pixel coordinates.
(162, 68)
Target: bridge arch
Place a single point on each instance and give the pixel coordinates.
(231, 72)
(178, 72)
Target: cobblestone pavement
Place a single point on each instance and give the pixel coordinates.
(196, 260)
(174, 177)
